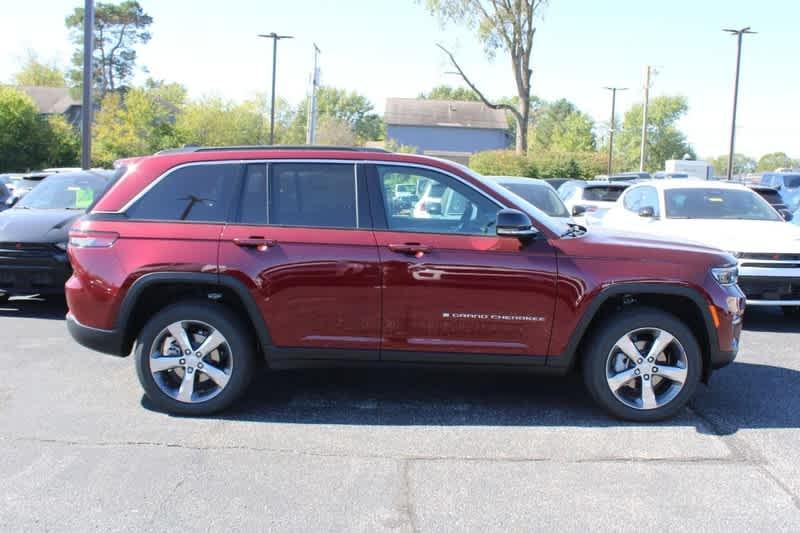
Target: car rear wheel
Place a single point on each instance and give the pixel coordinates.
(194, 358)
(643, 365)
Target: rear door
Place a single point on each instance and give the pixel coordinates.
(302, 243)
(451, 287)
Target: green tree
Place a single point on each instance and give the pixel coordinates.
(741, 165)
(23, 132)
(118, 28)
(348, 106)
(769, 162)
(560, 126)
(500, 25)
(335, 132)
(445, 92)
(39, 74)
(664, 139)
(63, 146)
(215, 121)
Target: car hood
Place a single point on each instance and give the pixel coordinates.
(749, 236)
(36, 225)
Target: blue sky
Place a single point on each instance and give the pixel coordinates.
(385, 48)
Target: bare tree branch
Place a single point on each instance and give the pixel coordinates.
(472, 86)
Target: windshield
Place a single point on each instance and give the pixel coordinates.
(542, 196)
(65, 191)
(717, 204)
(602, 193)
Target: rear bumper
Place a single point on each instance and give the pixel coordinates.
(108, 341)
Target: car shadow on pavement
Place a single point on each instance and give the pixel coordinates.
(742, 395)
(52, 307)
(770, 319)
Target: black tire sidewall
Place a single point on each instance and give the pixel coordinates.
(594, 362)
(219, 318)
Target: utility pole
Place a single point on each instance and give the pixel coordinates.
(275, 38)
(88, 78)
(642, 152)
(311, 130)
(739, 34)
(612, 124)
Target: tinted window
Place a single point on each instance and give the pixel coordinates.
(541, 196)
(200, 193)
(253, 208)
(773, 197)
(449, 206)
(792, 181)
(717, 204)
(313, 194)
(602, 194)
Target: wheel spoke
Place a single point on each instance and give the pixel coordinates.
(179, 334)
(625, 344)
(660, 343)
(217, 375)
(159, 364)
(672, 373)
(211, 343)
(648, 395)
(187, 387)
(618, 380)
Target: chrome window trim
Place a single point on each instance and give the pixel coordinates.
(268, 162)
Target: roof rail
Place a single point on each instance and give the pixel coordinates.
(197, 148)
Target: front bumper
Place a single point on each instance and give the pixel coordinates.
(33, 268)
(108, 341)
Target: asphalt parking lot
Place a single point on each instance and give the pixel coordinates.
(80, 448)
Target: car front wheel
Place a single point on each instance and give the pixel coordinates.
(643, 365)
(194, 358)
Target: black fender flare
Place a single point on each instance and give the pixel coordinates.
(567, 358)
(193, 278)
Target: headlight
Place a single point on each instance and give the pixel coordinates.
(62, 245)
(726, 275)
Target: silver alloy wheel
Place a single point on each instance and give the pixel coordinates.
(191, 361)
(647, 368)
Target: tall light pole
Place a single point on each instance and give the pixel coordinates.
(612, 123)
(311, 129)
(275, 38)
(88, 78)
(643, 149)
(739, 34)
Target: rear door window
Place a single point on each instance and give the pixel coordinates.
(313, 194)
(196, 193)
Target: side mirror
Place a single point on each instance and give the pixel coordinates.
(786, 214)
(513, 223)
(578, 210)
(647, 212)
(11, 202)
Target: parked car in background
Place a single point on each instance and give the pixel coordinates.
(538, 193)
(588, 201)
(787, 184)
(726, 216)
(5, 197)
(25, 183)
(209, 260)
(34, 233)
(773, 198)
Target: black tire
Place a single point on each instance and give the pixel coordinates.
(605, 336)
(238, 337)
(791, 311)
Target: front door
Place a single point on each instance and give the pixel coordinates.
(302, 246)
(450, 284)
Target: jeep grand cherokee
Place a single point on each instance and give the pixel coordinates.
(205, 260)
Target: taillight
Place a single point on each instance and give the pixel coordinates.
(92, 239)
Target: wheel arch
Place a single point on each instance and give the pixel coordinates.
(671, 298)
(152, 292)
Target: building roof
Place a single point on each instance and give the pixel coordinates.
(50, 100)
(443, 113)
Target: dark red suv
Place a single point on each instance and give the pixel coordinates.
(210, 260)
